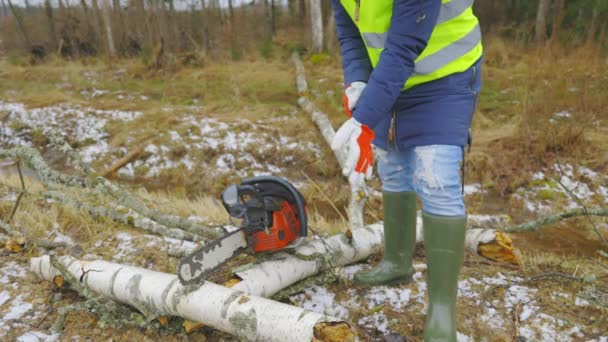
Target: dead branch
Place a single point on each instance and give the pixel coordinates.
(8, 229)
(21, 193)
(123, 161)
(537, 224)
(50, 177)
(357, 196)
(32, 158)
(129, 218)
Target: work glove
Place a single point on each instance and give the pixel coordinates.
(356, 138)
(352, 93)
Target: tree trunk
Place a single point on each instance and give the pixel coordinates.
(291, 9)
(4, 9)
(541, 21)
(232, 31)
(357, 196)
(593, 24)
(205, 25)
(50, 23)
(302, 11)
(20, 24)
(108, 27)
(557, 20)
(245, 316)
(316, 17)
(332, 41)
(273, 17)
(99, 27)
(268, 22)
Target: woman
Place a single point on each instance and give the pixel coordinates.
(412, 70)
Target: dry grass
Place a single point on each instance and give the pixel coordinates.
(513, 138)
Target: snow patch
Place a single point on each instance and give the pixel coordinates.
(11, 270)
(82, 124)
(319, 299)
(377, 321)
(38, 336)
(470, 189)
(396, 297)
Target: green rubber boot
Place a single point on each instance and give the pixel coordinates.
(444, 249)
(399, 241)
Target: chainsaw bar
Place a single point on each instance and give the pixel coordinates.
(196, 267)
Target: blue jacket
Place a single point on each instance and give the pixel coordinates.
(436, 112)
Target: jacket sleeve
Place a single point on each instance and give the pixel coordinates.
(412, 23)
(355, 62)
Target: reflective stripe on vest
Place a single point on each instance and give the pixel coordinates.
(454, 45)
(449, 10)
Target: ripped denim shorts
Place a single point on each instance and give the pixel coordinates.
(432, 171)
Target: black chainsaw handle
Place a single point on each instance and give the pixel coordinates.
(292, 190)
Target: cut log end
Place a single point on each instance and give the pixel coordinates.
(58, 281)
(233, 281)
(333, 332)
(163, 320)
(191, 326)
(15, 245)
(501, 249)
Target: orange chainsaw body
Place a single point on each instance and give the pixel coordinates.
(284, 230)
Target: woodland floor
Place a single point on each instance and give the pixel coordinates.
(199, 129)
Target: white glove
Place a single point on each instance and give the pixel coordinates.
(352, 93)
(356, 138)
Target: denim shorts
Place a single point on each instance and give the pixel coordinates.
(432, 171)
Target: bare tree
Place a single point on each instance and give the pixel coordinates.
(19, 18)
(50, 22)
(591, 33)
(541, 21)
(205, 27)
(316, 17)
(273, 17)
(268, 22)
(4, 9)
(301, 10)
(98, 20)
(332, 40)
(557, 20)
(108, 26)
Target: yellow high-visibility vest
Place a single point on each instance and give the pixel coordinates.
(454, 45)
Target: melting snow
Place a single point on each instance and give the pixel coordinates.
(82, 124)
(125, 246)
(319, 299)
(470, 189)
(38, 336)
(567, 175)
(11, 270)
(17, 309)
(396, 297)
(242, 147)
(376, 321)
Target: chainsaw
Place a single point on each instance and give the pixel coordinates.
(270, 214)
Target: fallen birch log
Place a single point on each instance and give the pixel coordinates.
(129, 218)
(32, 158)
(153, 293)
(357, 195)
(282, 270)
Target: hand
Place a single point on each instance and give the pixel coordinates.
(351, 96)
(357, 139)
